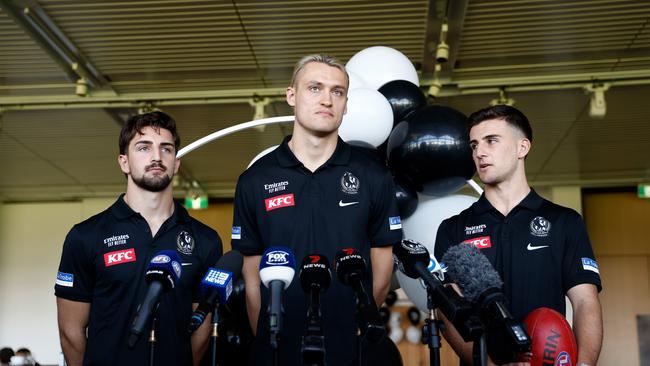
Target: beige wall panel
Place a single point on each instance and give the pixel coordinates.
(219, 217)
(617, 223)
(625, 294)
(31, 238)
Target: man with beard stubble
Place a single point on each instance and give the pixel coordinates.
(101, 276)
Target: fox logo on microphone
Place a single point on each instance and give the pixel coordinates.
(277, 258)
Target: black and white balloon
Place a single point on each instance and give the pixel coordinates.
(430, 150)
(404, 97)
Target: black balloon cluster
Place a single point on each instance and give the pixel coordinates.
(428, 149)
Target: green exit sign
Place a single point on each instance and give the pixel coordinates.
(196, 202)
(643, 190)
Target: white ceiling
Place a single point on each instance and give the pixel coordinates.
(201, 62)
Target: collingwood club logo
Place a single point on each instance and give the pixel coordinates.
(540, 226)
(185, 243)
(350, 183)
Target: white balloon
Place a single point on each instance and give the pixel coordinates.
(369, 117)
(379, 64)
(264, 152)
(356, 82)
(422, 227)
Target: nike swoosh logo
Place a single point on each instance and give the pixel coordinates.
(530, 247)
(186, 264)
(343, 204)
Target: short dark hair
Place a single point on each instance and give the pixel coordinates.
(156, 120)
(511, 115)
(5, 354)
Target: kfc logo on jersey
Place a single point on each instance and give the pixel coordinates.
(482, 242)
(119, 257)
(279, 201)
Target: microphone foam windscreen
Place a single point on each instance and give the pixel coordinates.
(471, 270)
(165, 266)
(315, 269)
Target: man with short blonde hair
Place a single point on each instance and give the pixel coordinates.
(332, 198)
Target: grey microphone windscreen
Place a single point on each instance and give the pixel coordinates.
(471, 270)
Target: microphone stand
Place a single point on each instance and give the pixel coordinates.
(431, 331)
(275, 320)
(216, 318)
(313, 341)
(479, 351)
(152, 338)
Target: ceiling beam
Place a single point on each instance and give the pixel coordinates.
(450, 87)
(31, 17)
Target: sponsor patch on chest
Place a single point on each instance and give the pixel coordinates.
(276, 202)
(476, 229)
(481, 242)
(116, 240)
(276, 187)
(119, 257)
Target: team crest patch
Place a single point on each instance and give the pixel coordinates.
(350, 183)
(185, 243)
(540, 226)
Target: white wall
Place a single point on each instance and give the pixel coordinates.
(31, 238)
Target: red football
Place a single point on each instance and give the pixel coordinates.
(552, 340)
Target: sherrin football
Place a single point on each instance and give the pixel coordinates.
(552, 340)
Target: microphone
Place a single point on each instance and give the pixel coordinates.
(350, 270)
(217, 285)
(413, 259)
(315, 277)
(277, 268)
(506, 338)
(315, 273)
(163, 271)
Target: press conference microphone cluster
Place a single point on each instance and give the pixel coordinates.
(163, 271)
(412, 258)
(277, 268)
(350, 271)
(315, 277)
(217, 286)
(506, 338)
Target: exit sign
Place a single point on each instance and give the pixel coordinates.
(643, 190)
(196, 203)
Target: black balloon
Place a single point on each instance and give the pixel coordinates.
(404, 97)
(430, 150)
(407, 199)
